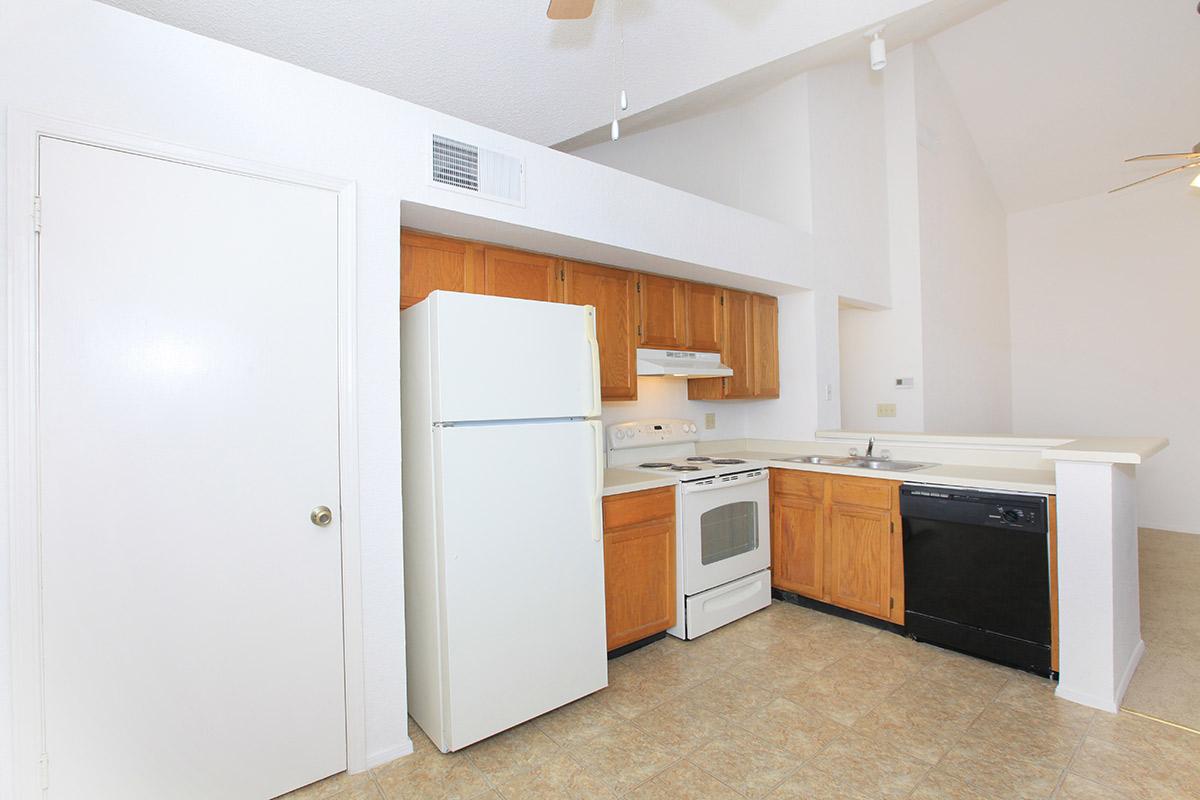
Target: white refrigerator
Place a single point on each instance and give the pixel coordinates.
(503, 470)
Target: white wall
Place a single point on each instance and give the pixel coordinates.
(964, 269)
(1105, 331)
(94, 64)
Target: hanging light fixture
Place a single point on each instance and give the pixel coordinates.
(878, 48)
(622, 100)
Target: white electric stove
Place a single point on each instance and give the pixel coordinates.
(723, 547)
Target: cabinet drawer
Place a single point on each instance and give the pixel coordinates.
(798, 483)
(868, 492)
(635, 508)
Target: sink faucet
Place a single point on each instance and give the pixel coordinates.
(870, 446)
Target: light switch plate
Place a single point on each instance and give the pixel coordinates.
(885, 409)
(710, 420)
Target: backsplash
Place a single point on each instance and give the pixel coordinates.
(667, 398)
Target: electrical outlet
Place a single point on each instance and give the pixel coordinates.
(885, 409)
(710, 421)
(829, 391)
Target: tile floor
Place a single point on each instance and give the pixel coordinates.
(793, 704)
(1167, 682)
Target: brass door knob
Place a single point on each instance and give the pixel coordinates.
(321, 515)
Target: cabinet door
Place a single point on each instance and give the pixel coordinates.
(612, 292)
(765, 312)
(435, 262)
(704, 317)
(798, 545)
(663, 312)
(860, 562)
(737, 344)
(511, 273)
(639, 581)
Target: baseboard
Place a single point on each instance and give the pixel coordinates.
(1135, 658)
(378, 759)
(1086, 699)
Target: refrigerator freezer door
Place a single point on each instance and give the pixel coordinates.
(523, 573)
(497, 358)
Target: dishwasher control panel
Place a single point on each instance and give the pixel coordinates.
(991, 509)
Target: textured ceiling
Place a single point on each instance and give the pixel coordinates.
(505, 65)
(1057, 92)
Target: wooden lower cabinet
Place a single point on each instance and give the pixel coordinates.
(838, 539)
(639, 564)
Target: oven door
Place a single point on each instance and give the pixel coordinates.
(726, 529)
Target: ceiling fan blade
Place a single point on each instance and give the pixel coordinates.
(1153, 156)
(1193, 165)
(570, 9)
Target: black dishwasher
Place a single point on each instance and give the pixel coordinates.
(977, 573)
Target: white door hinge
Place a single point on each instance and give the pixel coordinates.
(44, 770)
(37, 214)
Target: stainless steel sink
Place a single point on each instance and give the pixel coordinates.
(861, 463)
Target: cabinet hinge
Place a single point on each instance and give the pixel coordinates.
(892, 526)
(37, 214)
(639, 329)
(562, 274)
(44, 771)
(639, 287)
(722, 299)
(891, 603)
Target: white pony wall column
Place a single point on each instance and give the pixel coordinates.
(1100, 640)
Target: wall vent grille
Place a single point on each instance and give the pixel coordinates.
(468, 168)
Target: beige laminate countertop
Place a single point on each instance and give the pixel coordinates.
(619, 481)
(1037, 481)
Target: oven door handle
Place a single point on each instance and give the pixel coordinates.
(744, 479)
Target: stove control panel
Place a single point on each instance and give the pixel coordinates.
(646, 432)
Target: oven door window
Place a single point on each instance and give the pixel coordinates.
(727, 531)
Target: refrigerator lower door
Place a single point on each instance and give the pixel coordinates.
(535, 360)
(523, 571)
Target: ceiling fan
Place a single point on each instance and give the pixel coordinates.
(570, 9)
(1193, 162)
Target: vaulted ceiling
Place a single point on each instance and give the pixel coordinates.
(505, 65)
(1056, 93)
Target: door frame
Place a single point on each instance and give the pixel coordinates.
(22, 525)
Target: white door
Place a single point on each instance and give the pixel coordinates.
(524, 572)
(188, 414)
(538, 360)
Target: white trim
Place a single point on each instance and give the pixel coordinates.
(1135, 658)
(24, 130)
(379, 759)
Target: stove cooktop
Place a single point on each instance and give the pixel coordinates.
(693, 467)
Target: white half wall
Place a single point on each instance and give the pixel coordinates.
(1105, 331)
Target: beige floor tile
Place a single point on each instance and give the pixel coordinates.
(844, 691)
(1076, 788)
(337, 785)
(577, 722)
(683, 781)
(733, 694)
(801, 731)
(680, 726)
(514, 751)
(430, 775)
(890, 652)
(997, 773)
(810, 783)
(870, 768)
(809, 652)
(1024, 734)
(628, 701)
(745, 762)
(940, 786)
(774, 669)
(966, 673)
(921, 718)
(623, 758)
(1035, 695)
(1143, 772)
(559, 777)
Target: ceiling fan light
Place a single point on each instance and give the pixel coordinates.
(615, 132)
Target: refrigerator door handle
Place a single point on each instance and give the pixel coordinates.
(595, 346)
(598, 504)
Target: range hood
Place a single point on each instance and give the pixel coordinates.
(680, 364)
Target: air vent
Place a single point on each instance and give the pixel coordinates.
(475, 170)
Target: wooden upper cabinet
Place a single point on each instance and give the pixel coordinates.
(765, 316)
(738, 344)
(662, 312)
(704, 317)
(639, 565)
(512, 273)
(613, 292)
(435, 262)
